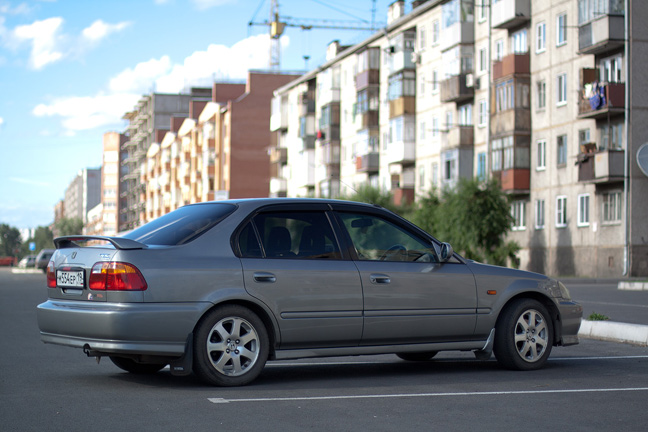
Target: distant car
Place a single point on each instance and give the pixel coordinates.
(43, 258)
(7, 261)
(221, 287)
(28, 261)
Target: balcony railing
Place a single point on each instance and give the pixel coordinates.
(510, 13)
(509, 121)
(369, 162)
(462, 32)
(401, 106)
(511, 64)
(367, 78)
(454, 89)
(402, 152)
(514, 180)
(368, 120)
(278, 155)
(606, 33)
(602, 100)
(460, 136)
(605, 166)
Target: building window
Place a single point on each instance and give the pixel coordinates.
(435, 174)
(541, 162)
(611, 207)
(481, 166)
(449, 167)
(483, 113)
(561, 146)
(499, 49)
(422, 39)
(541, 37)
(435, 82)
(482, 6)
(611, 69)
(541, 88)
(422, 176)
(561, 29)
(504, 96)
(435, 32)
(611, 136)
(562, 89)
(402, 84)
(507, 149)
(561, 211)
(483, 60)
(583, 210)
(496, 156)
(539, 214)
(465, 115)
(435, 127)
(519, 43)
(422, 130)
(518, 212)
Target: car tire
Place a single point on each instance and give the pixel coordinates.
(231, 346)
(417, 356)
(130, 365)
(523, 335)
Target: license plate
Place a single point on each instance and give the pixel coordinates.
(73, 279)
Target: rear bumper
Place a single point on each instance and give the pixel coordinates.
(125, 328)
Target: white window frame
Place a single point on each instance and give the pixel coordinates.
(482, 6)
(561, 161)
(541, 93)
(435, 82)
(421, 40)
(561, 89)
(422, 130)
(539, 214)
(541, 37)
(435, 32)
(518, 212)
(561, 211)
(611, 209)
(483, 113)
(541, 154)
(483, 60)
(499, 49)
(583, 210)
(561, 29)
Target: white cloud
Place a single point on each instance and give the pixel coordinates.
(45, 38)
(1, 121)
(206, 4)
(99, 30)
(217, 62)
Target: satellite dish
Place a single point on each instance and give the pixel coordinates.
(642, 158)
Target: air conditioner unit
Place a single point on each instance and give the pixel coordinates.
(416, 57)
(470, 80)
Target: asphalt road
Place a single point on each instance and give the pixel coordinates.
(592, 386)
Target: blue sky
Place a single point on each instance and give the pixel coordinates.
(69, 70)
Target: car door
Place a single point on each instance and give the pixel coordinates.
(293, 263)
(409, 296)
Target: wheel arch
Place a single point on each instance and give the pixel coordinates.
(547, 303)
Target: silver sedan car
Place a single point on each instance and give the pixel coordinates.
(220, 288)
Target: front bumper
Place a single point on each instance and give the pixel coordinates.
(120, 328)
(571, 315)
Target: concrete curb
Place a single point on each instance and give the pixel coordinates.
(26, 270)
(614, 331)
(633, 286)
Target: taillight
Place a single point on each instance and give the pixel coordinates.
(116, 276)
(51, 275)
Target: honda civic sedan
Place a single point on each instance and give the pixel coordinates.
(220, 288)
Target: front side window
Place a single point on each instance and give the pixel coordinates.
(378, 239)
(297, 235)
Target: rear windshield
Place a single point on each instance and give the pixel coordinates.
(182, 225)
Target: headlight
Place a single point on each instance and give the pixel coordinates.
(564, 292)
(558, 290)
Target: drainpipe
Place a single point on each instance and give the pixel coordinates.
(626, 159)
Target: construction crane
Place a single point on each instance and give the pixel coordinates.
(278, 23)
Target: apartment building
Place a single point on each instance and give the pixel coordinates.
(537, 94)
(150, 118)
(83, 193)
(219, 151)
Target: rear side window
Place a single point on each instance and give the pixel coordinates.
(182, 225)
(296, 235)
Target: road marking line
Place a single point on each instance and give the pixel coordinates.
(411, 395)
(612, 304)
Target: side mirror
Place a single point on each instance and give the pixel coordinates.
(446, 252)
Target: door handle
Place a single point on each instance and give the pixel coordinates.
(264, 277)
(379, 279)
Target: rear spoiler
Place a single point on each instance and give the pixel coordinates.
(118, 242)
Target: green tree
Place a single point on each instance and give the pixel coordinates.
(474, 217)
(10, 240)
(42, 238)
(372, 195)
(68, 226)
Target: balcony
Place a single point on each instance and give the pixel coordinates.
(510, 65)
(278, 187)
(458, 33)
(509, 121)
(279, 116)
(401, 106)
(515, 180)
(605, 166)
(368, 119)
(603, 34)
(454, 89)
(279, 155)
(330, 154)
(403, 195)
(401, 153)
(601, 102)
(510, 13)
(369, 162)
(367, 78)
(460, 136)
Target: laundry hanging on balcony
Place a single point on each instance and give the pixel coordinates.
(595, 92)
